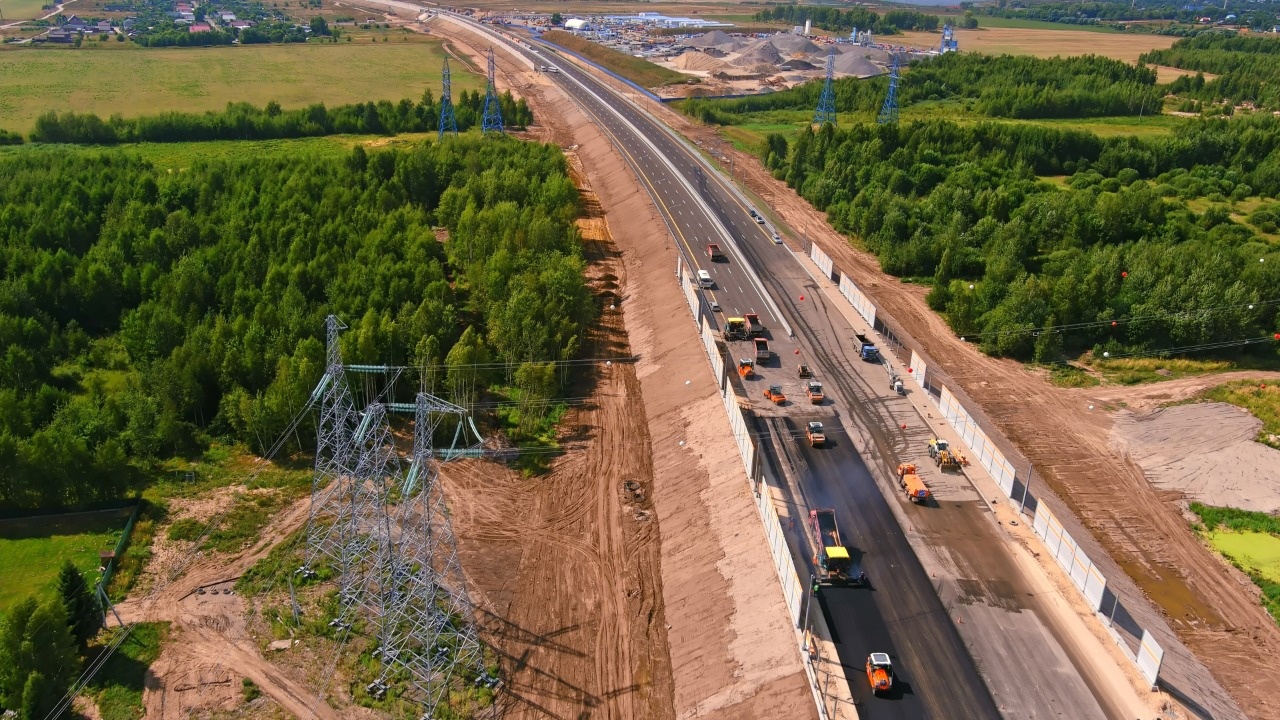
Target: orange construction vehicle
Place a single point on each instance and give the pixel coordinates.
(879, 672)
(817, 436)
(774, 393)
(814, 391)
(746, 368)
(913, 484)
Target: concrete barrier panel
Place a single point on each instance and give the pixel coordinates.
(917, 369)
(822, 260)
(1150, 656)
(860, 302)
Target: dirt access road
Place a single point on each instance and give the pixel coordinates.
(1213, 609)
(583, 620)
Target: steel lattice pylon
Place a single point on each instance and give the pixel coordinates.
(379, 521)
(889, 111)
(492, 108)
(448, 123)
(827, 103)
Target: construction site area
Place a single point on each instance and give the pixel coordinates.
(633, 578)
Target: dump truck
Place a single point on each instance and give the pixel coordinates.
(735, 328)
(814, 391)
(943, 456)
(831, 560)
(817, 437)
(895, 384)
(763, 353)
(866, 349)
(753, 324)
(714, 252)
(879, 672)
(913, 484)
(774, 393)
(746, 368)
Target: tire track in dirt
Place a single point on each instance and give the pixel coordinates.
(577, 618)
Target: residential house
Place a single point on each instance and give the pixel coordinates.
(228, 17)
(104, 26)
(74, 24)
(189, 17)
(241, 24)
(201, 27)
(59, 36)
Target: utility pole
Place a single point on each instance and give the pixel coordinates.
(1026, 487)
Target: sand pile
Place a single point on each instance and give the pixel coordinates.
(1206, 451)
(711, 39)
(696, 61)
(859, 51)
(760, 53)
(795, 44)
(856, 66)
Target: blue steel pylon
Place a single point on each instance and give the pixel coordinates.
(492, 108)
(827, 103)
(448, 123)
(889, 111)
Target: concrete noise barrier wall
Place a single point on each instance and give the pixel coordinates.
(983, 449)
(822, 260)
(860, 302)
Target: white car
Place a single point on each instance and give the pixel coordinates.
(777, 239)
(704, 279)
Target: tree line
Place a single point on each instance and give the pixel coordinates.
(1248, 68)
(836, 20)
(996, 86)
(243, 121)
(144, 313)
(1114, 252)
(43, 644)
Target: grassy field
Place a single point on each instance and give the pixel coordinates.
(985, 21)
(22, 9)
(117, 688)
(1064, 40)
(126, 79)
(177, 156)
(32, 551)
(638, 70)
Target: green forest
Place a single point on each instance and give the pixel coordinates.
(144, 313)
(837, 20)
(1113, 258)
(996, 86)
(1247, 68)
(243, 121)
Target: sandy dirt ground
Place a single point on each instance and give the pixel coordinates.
(568, 563)
(733, 653)
(1207, 451)
(209, 649)
(1212, 608)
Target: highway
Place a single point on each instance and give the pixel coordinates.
(1025, 662)
(904, 613)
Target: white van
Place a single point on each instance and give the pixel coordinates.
(704, 279)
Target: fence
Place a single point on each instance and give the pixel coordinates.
(991, 450)
(110, 568)
(793, 591)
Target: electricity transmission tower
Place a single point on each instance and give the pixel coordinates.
(827, 103)
(379, 525)
(448, 123)
(492, 108)
(889, 111)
